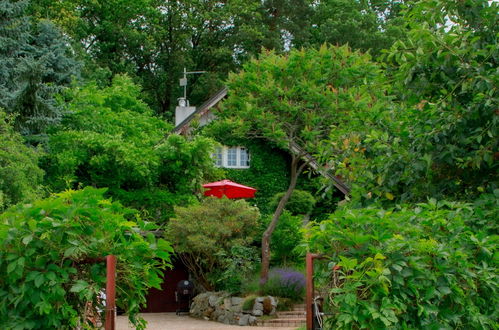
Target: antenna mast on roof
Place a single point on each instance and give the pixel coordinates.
(182, 101)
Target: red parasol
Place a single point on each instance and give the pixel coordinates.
(229, 189)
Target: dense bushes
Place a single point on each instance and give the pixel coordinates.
(212, 239)
(433, 265)
(111, 139)
(46, 282)
(300, 202)
(20, 176)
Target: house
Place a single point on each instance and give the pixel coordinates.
(237, 156)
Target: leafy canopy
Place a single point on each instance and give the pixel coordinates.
(302, 96)
(46, 282)
(111, 139)
(442, 141)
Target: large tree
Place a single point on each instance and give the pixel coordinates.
(35, 64)
(294, 102)
(112, 139)
(442, 142)
(364, 25)
(153, 40)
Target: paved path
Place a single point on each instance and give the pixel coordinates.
(170, 321)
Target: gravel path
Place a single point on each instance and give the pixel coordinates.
(170, 321)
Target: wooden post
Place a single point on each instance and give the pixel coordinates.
(110, 292)
(309, 299)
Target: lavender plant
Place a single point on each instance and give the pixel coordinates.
(285, 283)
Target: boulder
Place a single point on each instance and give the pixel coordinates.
(236, 301)
(244, 320)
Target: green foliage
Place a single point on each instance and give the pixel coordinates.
(433, 265)
(248, 302)
(235, 264)
(442, 140)
(300, 202)
(35, 65)
(301, 97)
(46, 280)
(20, 176)
(111, 139)
(268, 173)
(153, 41)
(285, 238)
(205, 235)
(363, 25)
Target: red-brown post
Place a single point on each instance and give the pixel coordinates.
(310, 289)
(110, 292)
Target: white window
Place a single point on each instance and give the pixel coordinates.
(232, 157)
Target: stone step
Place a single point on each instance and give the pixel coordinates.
(287, 322)
(299, 307)
(291, 314)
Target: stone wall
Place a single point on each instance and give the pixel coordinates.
(221, 307)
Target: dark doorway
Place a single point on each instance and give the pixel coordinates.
(161, 301)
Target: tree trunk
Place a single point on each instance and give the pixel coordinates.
(295, 172)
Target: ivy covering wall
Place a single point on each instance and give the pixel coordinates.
(269, 169)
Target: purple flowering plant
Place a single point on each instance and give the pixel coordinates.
(285, 283)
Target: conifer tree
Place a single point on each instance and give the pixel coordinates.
(35, 64)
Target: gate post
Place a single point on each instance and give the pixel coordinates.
(110, 292)
(310, 289)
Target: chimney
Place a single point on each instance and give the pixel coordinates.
(182, 111)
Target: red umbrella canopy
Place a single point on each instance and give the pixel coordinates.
(229, 189)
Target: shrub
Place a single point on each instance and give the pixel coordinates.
(301, 202)
(433, 265)
(285, 238)
(286, 283)
(235, 264)
(205, 236)
(46, 281)
(284, 304)
(248, 302)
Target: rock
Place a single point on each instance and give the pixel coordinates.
(236, 301)
(227, 303)
(208, 312)
(236, 308)
(267, 306)
(214, 300)
(252, 320)
(259, 299)
(257, 309)
(273, 301)
(244, 320)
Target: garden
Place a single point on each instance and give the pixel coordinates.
(368, 129)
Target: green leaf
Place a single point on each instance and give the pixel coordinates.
(39, 280)
(11, 266)
(27, 239)
(70, 251)
(79, 286)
